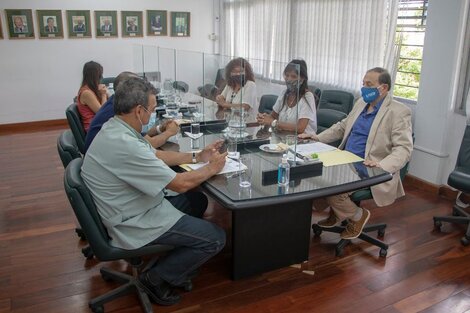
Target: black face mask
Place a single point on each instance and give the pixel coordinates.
(292, 85)
(238, 79)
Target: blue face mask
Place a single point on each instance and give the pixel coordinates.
(370, 94)
(145, 127)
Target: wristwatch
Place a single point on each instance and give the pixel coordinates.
(274, 123)
(194, 158)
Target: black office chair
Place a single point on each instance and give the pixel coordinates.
(212, 90)
(75, 124)
(68, 151)
(67, 148)
(181, 86)
(107, 80)
(316, 93)
(327, 118)
(151, 76)
(357, 197)
(266, 103)
(460, 180)
(87, 215)
(338, 100)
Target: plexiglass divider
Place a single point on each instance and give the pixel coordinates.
(138, 59)
(232, 98)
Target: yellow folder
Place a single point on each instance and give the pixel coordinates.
(337, 157)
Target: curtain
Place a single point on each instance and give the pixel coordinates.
(463, 83)
(339, 39)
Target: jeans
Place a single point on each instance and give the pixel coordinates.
(195, 241)
(192, 203)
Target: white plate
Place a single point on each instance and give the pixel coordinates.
(238, 134)
(187, 105)
(169, 116)
(271, 148)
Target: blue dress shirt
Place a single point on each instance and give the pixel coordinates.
(102, 116)
(360, 131)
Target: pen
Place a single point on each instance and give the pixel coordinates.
(299, 155)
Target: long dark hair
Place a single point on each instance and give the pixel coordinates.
(300, 68)
(92, 74)
(243, 64)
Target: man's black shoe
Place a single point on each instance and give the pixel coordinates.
(160, 291)
(187, 285)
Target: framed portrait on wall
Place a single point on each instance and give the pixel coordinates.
(180, 24)
(20, 24)
(50, 24)
(132, 24)
(106, 24)
(157, 23)
(79, 23)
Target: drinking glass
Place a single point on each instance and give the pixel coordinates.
(231, 148)
(171, 110)
(195, 144)
(195, 128)
(245, 176)
(290, 140)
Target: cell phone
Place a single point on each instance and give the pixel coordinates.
(223, 147)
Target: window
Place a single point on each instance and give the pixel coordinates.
(411, 24)
(339, 39)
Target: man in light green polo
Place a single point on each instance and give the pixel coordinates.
(129, 179)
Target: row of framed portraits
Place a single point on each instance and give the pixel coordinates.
(21, 26)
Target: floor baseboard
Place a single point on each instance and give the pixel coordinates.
(421, 184)
(444, 191)
(28, 127)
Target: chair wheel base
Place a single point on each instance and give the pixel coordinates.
(383, 253)
(317, 231)
(88, 253)
(97, 309)
(465, 241)
(339, 252)
(437, 224)
(80, 233)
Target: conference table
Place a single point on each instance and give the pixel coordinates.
(270, 224)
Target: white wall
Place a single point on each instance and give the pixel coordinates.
(438, 129)
(40, 77)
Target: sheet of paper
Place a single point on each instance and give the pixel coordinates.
(337, 157)
(230, 166)
(313, 147)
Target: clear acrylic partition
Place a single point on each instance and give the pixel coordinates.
(167, 68)
(138, 58)
(151, 70)
(227, 110)
(239, 106)
(189, 76)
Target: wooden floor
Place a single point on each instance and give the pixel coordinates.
(43, 270)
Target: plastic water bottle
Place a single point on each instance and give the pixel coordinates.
(283, 172)
(111, 89)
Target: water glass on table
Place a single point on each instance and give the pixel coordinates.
(245, 176)
(195, 128)
(290, 140)
(172, 110)
(232, 149)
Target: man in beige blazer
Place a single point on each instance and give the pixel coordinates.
(377, 129)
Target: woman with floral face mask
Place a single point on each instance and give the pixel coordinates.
(295, 108)
(240, 91)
